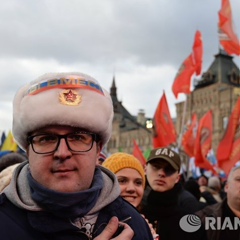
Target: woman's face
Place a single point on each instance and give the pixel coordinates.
(131, 184)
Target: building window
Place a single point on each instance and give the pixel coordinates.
(234, 78)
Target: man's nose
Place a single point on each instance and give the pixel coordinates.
(62, 151)
(161, 172)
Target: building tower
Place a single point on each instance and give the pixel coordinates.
(217, 90)
(127, 128)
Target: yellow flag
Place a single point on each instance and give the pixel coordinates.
(9, 143)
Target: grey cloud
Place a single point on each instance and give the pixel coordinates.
(129, 38)
(153, 32)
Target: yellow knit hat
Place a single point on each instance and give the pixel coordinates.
(120, 160)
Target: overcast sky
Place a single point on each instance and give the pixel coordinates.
(142, 42)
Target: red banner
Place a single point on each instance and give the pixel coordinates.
(163, 127)
(233, 158)
(227, 36)
(189, 137)
(204, 142)
(137, 153)
(225, 146)
(228, 152)
(198, 52)
(182, 81)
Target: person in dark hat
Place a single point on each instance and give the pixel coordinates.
(62, 121)
(10, 159)
(165, 201)
(192, 186)
(202, 180)
(8, 163)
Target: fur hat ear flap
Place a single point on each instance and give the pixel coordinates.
(72, 99)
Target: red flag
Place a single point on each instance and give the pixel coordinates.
(204, 142)
(137, 153)
(189, 137)
(164, 130)
(228, 150)
(227, 36)
(234, 156)
(225, 146)
(198, 52)
(182, 81)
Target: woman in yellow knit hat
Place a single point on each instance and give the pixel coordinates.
(131, 177)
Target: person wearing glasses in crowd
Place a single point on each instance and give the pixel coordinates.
(62, 120)
(165, 201)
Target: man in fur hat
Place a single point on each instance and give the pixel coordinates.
(62, 120)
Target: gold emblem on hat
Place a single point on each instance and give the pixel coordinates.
(69, 97)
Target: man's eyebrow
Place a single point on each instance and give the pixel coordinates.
(43, 132)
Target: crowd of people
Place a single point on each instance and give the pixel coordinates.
(66, 187)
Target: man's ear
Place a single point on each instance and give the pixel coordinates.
(99, 148)
(226, 187)
(178, 178)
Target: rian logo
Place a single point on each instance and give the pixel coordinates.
(190, 223)
(70, 97)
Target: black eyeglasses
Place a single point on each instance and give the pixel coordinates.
(76, 142)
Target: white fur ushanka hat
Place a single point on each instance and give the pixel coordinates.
(73, 99)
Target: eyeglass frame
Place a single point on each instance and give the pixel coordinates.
(95, 137)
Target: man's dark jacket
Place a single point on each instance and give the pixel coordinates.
(15, 223)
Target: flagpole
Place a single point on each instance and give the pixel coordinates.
(182, 126)
(180, 136)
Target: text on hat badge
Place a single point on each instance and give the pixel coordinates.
(69, 97)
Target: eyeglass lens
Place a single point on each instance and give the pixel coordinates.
(77, 142)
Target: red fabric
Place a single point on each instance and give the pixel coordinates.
(164, 130)
(137, 153)
(227, 36)
(225, 146)
(192, 64)
(198, 52)
(204, 142)
(182, 81)
(233, 158)
(228, 152)
(189, 137)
